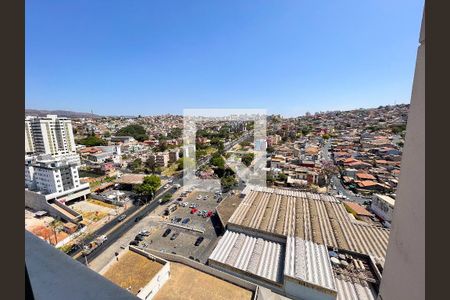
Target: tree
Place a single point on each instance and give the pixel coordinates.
(91, 141)
(282, 177)
(244, 144)
(166, 198)
(175, 133)
(247, 159)
(185, 162)
(135, 164)
(227, 182)
(162, 146)
(136, 131)
(270, 149)
(149, 186)
(218, 161)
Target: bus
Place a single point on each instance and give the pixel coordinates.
(171, 208)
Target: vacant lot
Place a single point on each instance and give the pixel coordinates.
(132, 271)
(41, 228)
(186, 283)
(92, 210)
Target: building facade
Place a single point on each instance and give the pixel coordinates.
(49, 175)
(49, 135)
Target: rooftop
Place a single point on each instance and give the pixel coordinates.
(357, 209)
(131, 179)
(386, 199)
(315, 217)
(252, 255)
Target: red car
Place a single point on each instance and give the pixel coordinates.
(194, 210)
(209, 214)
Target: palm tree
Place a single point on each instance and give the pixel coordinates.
(56, 225)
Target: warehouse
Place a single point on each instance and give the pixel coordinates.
(298, 269)
(277, 213)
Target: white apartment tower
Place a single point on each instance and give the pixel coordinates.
(29, 146)
(49, 135)
(50, 175)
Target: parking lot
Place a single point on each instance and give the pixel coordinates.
(188, 229)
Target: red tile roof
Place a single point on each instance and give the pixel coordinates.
(357, 209)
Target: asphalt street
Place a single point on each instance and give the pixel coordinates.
(127, 224)
(335, 181)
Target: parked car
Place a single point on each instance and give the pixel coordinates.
(144, 232)
(121, 218)
(167, 232)
(139, 238)
(174, 236)
(199, 241)
(194, 210)
(185, 221)
(134, 243)
(73, 249)
(138, 219)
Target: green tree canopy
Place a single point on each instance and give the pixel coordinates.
(185, 162)
(149, 186)
(136, 131)
(218, 161)
(228, 181)
(135, 164)
(92, 140)
(248, 158)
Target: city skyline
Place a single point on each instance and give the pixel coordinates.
(159, 58)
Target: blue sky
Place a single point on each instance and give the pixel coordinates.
(153, 57)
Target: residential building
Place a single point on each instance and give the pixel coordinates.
(383, 206)
(159, 160)
(49, 135)
(174, 155)
(52, 175)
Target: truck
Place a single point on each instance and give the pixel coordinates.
(170, 209)
(87, 249)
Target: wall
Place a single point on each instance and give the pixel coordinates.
(211, 271)
(38, 202)
(298, 291)
(404, 271)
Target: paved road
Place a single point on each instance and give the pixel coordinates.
(123, 226)
(337, 182)
(127, 224)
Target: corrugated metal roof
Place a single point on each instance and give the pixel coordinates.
(348, 290)
(254, 255)
(309, 262)
(316, 217)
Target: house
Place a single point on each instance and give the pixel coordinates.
(357, 210)
(383, 206)
(365, 176)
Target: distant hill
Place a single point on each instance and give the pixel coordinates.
(60, 113)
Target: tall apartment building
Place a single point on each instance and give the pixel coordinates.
(49, 175)
(49, 135)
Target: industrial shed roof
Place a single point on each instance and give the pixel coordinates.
(257, 256)
(308, 261)
(319, 218)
